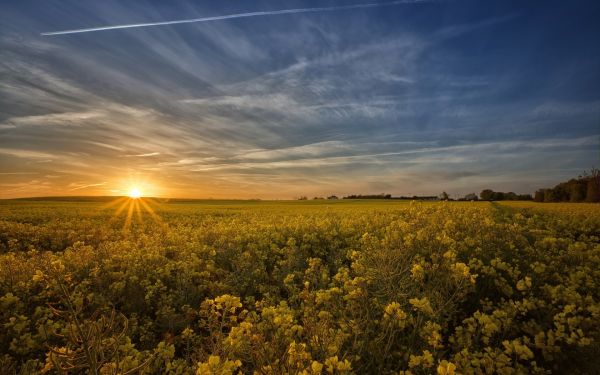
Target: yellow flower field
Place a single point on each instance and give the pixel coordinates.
(314, 287)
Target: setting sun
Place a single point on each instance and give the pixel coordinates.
(135, 193)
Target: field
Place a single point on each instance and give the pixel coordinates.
(307, 287)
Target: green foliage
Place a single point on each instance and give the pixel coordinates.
(329, 287)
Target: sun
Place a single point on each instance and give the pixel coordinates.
(135, 193)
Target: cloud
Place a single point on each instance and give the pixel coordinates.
(234, 16)
(267, 109)
(144, 155)
(62, 119)
(75, 186)
(16, 173)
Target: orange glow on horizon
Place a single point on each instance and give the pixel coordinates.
(135, 193)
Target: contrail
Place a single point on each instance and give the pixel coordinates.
(238, 15)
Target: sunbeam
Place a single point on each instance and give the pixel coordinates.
(133, 210)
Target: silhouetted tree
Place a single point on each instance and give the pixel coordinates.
(497, 196)
(486, 195)
(584, 188)
(490, 195)
(444, 196)
(577, 190)
(593, 187)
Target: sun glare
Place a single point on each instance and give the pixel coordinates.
(135, 193)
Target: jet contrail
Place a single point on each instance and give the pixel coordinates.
(238, 15)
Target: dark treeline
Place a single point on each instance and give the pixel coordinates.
(490, 195)
(418, 197)
(585, 188)
(369, 196)
(389, 196)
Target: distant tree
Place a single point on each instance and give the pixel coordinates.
(591, 192)
(577, 190)
(497, 196)
(486, 195)
(444, 196)
(539, 195)
(490, 195)
(471, 197)
(549, 195)
(332, 197)
(303, 198)
(593, 186)
(369, 196)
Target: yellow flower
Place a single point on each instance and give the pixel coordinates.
(524, 284)
(446, 368)
(333, 364)
(394, 313)
(316, 367)
(424, 360)
(38, 276)
(417, 272)
(516, 347)
(422, 305)
(214, 366)
(462, 271)
(431, 333)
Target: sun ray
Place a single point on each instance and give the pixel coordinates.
(127, 223)
(121, 208)
(149, 209)
(114, 202)
(138, 211)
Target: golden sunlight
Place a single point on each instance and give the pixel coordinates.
(135, 193)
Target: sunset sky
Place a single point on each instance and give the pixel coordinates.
(408, 98)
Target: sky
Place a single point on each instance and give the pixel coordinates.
(411, 98)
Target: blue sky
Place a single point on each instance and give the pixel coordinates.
(410, 98)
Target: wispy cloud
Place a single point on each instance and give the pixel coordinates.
(16, 173)
(144, 155)
(402, 98)
(85, 186)
(237, 15)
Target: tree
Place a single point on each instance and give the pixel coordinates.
(444, 196)
(497, 196)
(593, 187)
(577, 190)
(593, 192)
(471, 197)
(486, 195)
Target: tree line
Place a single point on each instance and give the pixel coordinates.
(585, 188)
(490, 195)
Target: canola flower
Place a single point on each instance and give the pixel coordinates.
(387, 288)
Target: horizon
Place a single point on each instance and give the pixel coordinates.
(272, 101)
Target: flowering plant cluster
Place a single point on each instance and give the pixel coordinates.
(289, 288)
